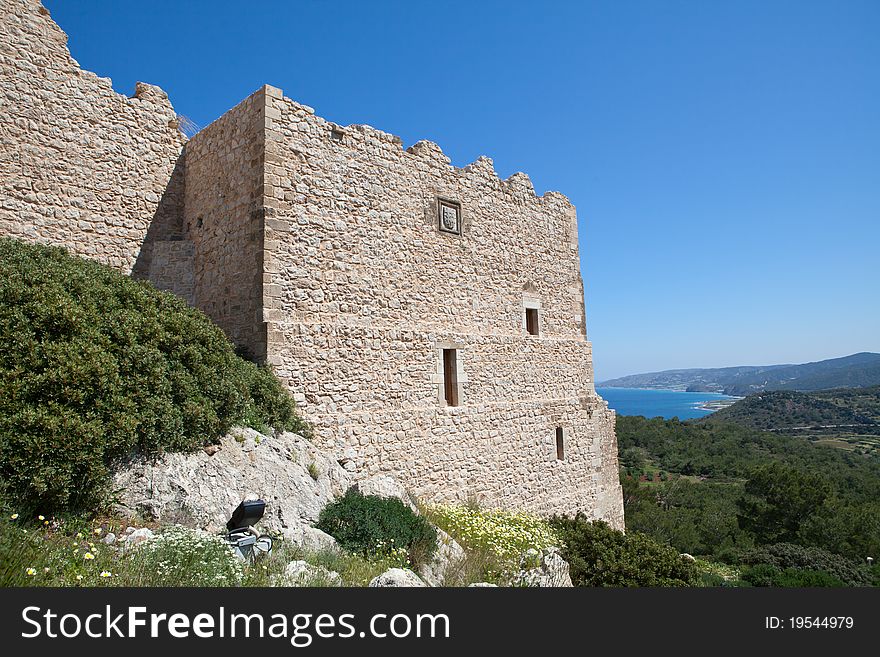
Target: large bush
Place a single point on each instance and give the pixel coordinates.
(767, 575)
(381, 526)
(602, 556)
(94, 365)
(784, 556)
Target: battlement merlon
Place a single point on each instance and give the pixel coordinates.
(518, 183)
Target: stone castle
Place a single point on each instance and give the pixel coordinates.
(428, 319)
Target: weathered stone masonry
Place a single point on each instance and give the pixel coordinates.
(346, 261)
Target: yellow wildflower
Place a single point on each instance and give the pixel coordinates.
(31, 571)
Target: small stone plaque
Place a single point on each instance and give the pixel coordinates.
(450, 217)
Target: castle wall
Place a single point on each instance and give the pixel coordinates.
(223, 218)
(80, 165)
(367, 290)
(320, 248)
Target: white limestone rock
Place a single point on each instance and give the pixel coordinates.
(310, 539)
(385, 486)
(544, 569)
(137, 536)
(302, 573)
(397, 577)
(201, 490)
(442, 570)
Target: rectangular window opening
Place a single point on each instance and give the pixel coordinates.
(560, 444)
(450, 377)
(532, 321)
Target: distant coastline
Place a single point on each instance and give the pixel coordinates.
(664, 402)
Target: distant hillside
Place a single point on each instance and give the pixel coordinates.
(855, 371)
(782, 409)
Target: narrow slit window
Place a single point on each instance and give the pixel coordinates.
(450, 377)
(560, 444)
(532, 321)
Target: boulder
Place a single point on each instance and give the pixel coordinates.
(201, 490)
(385, 486)
(310, 539)
(302, 573)
(137, 536)
(542, 569)
(397, 577)
(442, 570)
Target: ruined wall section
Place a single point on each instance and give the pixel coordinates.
(223, 219)
(367, 290)
(80, 165)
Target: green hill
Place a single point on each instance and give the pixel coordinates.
(779, 409)
(856, 370)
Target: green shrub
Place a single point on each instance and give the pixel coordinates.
(94, 365)
(783, 556)
(378, 526)
(767, 575)
(602, 556)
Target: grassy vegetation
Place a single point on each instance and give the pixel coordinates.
(71, 552)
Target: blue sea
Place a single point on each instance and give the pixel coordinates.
(651, 403)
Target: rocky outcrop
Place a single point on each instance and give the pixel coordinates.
(302, 573)
(397, 577)
(202, 489)
(542, 569)
(443, 568)
(385, 486)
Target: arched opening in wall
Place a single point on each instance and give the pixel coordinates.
(560, 444)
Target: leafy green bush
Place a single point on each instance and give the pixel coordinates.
(378, 526)
(767, 575)
(783, 556)
(602, 556)
(94, 365)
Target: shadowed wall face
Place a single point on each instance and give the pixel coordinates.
(223, 219)
(81, 166)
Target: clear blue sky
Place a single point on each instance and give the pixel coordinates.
(724, 157)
